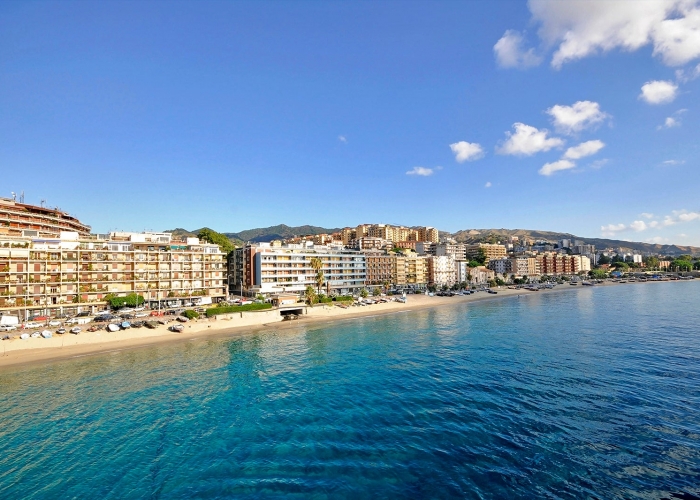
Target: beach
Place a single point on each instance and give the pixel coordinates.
(38, 350)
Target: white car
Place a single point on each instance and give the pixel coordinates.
(31, 324)
(7, 328)
(54, 322)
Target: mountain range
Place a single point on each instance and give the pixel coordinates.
(282, 231)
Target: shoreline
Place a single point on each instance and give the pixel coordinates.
(33, 351)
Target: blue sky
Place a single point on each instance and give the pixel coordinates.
(566, 116)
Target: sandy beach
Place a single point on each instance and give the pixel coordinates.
(35, 350)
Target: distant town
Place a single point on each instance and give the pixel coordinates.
(50, 263)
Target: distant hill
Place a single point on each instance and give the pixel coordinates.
(279, 232)
(483, 235)
(258, 235)
(282, 231)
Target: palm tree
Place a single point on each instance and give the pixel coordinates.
(317, 266)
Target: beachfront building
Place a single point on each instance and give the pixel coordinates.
(261, 268)
(379, 268)
(441, 270)
(409, 269)
(501, 266)
(490, 250)
(524, 266)
(462, 271)
(31, 221)
(551, 263)
(73, 273)
(481, 275)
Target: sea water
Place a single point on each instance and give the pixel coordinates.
(589, 393)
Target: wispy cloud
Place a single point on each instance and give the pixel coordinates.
(488, 185)
(421, 171)
(511, 53)
(652, 222)
(343, 139)
(671, 163)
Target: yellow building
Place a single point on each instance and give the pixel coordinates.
(72, 272)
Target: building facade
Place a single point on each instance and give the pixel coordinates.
(70, 273)
(30, 221)
(491, 251)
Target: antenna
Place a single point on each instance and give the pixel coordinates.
(21, 197)
(43, 203)
(14, 196)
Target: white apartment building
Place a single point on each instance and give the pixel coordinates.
(441, 270)
(287, 269)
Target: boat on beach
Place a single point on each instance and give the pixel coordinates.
(46, 334)
(125, 325)
(75, 330)
(113, 327)
(176, 328)
(151, 324)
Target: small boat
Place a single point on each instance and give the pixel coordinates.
(24, 336)
(151, 324)
(137, 324)
(93, 328)
(125, 325)
(177, 328)
(36, 335)
(54, 322)
(162, 322)
(182, 319)
(46, 334)
(61, 331)
(75, 330)
(112, 327)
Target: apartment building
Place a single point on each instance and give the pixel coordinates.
(261, 268)
(553, 263)
(524, 266)
(73, 272)
(379, 268)
(388, 232)
(441, 270)
(31, 221)
(491, 250)
(501, 266)
(369, 243)
(462, 271)
(408, 268)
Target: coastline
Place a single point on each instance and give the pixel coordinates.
(18, 352)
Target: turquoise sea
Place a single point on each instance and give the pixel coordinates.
(590, 393)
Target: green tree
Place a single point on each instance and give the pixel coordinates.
(190, 314)
(603, 259)
(598, 274)
(212, 236)
(376, 292)
(364, 293)
(317, 265)
(311, 296)
(681, 264)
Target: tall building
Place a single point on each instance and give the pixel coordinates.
(379, 268)
(73, 272)
(411, 269)
(263, 269)
(491, 250)
(30, 221)
(441, 270)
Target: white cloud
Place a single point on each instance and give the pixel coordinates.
(638, 225)
(674, 162)
(657, 240)
(659, 92)
(581, 28)
(550, 168)
(343, 139)
(487, 185)
(577, 117)
(676, 217)
(528, 140)
(510, 52)
(584, 149)
(425, 172)
(467, 151)
(612, 229)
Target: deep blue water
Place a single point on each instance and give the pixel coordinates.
(593, 393)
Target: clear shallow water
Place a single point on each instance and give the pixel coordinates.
(593, 393)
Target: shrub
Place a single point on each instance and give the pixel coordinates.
(190, 314)
(234, 309)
